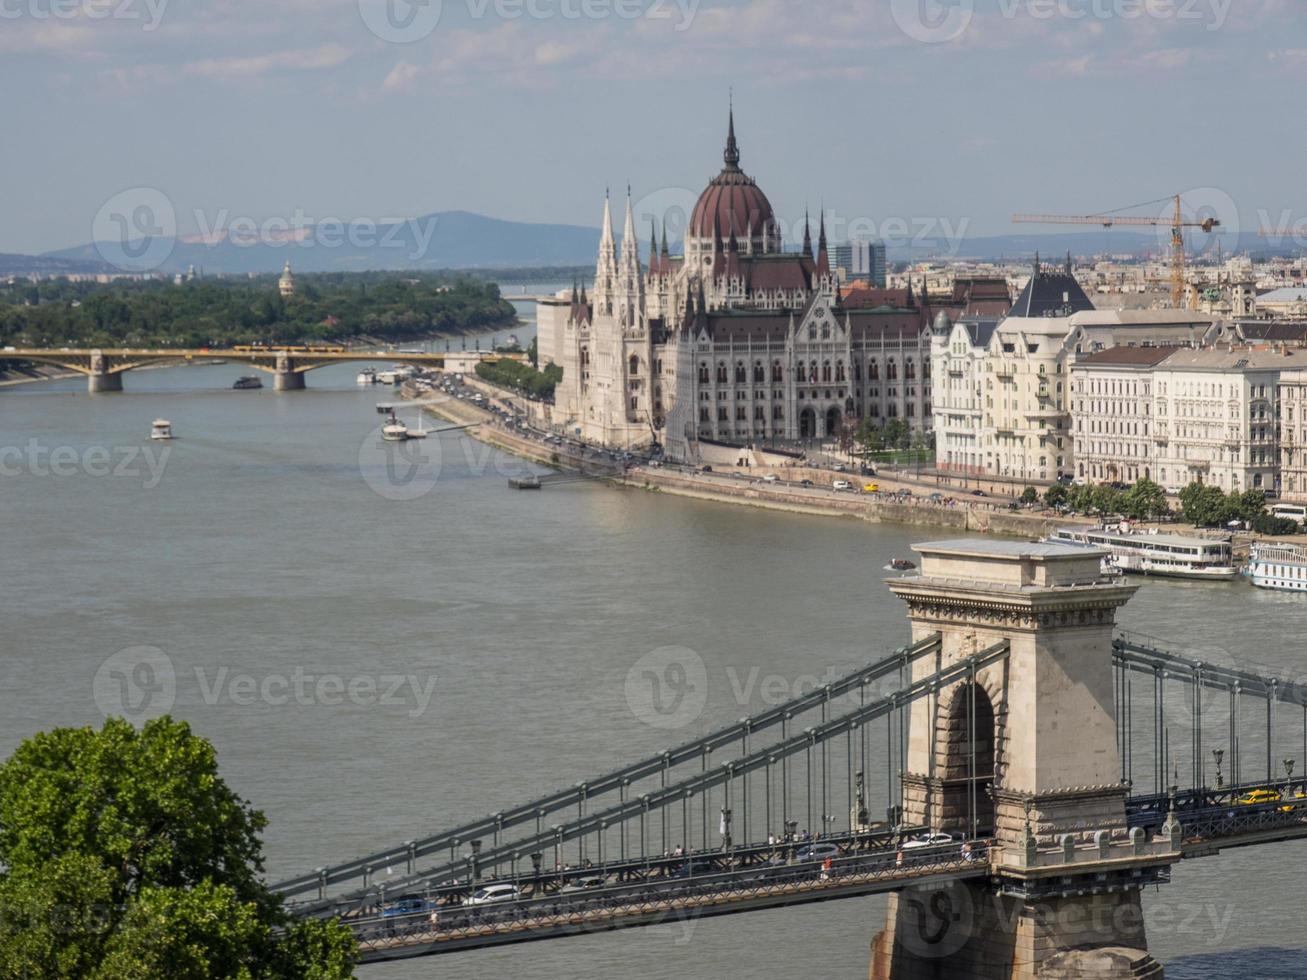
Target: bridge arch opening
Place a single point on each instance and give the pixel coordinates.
(966, 750)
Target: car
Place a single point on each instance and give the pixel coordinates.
(770, 478)
(871, 488)
(489, 894)
(805, 483)
(407, 906)
(816, 852)
(1257, 797)
(933, 838)
(1173, 491)
(978, 493)
(935, 498)
(840, 468)
(1066, 479)
(586, 884)
(706, 469)
(841, 485)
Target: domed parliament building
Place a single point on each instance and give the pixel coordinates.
(737, 340)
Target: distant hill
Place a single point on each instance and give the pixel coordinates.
(446, 240)
(462, 240)
(49, 265)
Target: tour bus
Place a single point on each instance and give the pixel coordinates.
(1295, 512)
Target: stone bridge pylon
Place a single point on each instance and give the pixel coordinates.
(1024, 752)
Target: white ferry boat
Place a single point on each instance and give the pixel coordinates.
(366, 377)
(1278, 566)
(1151, 553)
(162, 429)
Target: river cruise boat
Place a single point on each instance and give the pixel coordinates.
(247, 381)
(1278, 566)
(394, 431)
(1169, 555)
(162, 429)
(366, 377)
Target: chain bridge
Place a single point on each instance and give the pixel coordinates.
(1019, 758)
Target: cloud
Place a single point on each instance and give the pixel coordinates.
(401, 77)
(311, 59)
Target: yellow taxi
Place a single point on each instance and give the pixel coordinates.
(1258, 796)
(871, 488)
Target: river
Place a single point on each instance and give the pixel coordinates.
(481, 639)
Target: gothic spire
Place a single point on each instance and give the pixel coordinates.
(665, 253)
(807, 235)
(732, 154)
(653, 246)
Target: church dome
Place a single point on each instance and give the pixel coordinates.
(732, 201)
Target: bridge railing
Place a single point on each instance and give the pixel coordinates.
(620, 781)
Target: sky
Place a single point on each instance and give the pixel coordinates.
(942, 114)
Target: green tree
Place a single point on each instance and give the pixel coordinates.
(1203, 505)
(125, 854)
(1056, 495)
(870, 437)
(1105, 499)
(1144, 500)
(1029, 495)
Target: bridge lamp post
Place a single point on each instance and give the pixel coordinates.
(558, 852)
(1288, 777)
(1218, 755)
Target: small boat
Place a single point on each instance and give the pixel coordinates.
(394, 431)
(366, 377)
(900, 565)
(162, 429)
(247, 381)
(525, 483)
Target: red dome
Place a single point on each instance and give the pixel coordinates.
(731, 201)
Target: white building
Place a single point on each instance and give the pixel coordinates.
(958, 391)
(1112, 414)
(1216, 417)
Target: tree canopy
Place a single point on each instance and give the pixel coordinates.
(123, 854)
(221, 312)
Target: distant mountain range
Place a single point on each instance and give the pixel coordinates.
(462, 240)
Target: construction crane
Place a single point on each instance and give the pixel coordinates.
(1110, 218)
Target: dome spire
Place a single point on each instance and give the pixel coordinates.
(732, 154)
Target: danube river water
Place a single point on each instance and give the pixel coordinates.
(377, 655)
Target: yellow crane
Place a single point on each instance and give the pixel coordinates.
(1109, 219)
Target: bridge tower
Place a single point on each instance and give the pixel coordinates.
(286, 378)
(98, 376)
(1026, 753)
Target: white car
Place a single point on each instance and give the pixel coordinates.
(494, 893)
(770, 478)
(931, 839)
(841, 485)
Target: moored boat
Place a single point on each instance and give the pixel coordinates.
(248, 381)
(161, 429)
(1278, 566)
(366, 377)
(1154, 553)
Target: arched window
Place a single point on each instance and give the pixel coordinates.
(873, 371)
(635, 364)
(777, 373)
(839, 370)
(585, 357)
(703, 374)
(825, 370)
(891, 370)
(740, 376)
(759, 374)
(909, 370)
(721, 372)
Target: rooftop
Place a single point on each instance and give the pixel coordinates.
(1126, 357)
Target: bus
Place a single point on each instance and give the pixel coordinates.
(1295, 512)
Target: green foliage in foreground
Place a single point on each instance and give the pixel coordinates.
(125, 855)
(222, 312)
(522, 377)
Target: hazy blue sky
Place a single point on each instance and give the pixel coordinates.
(918, 110)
